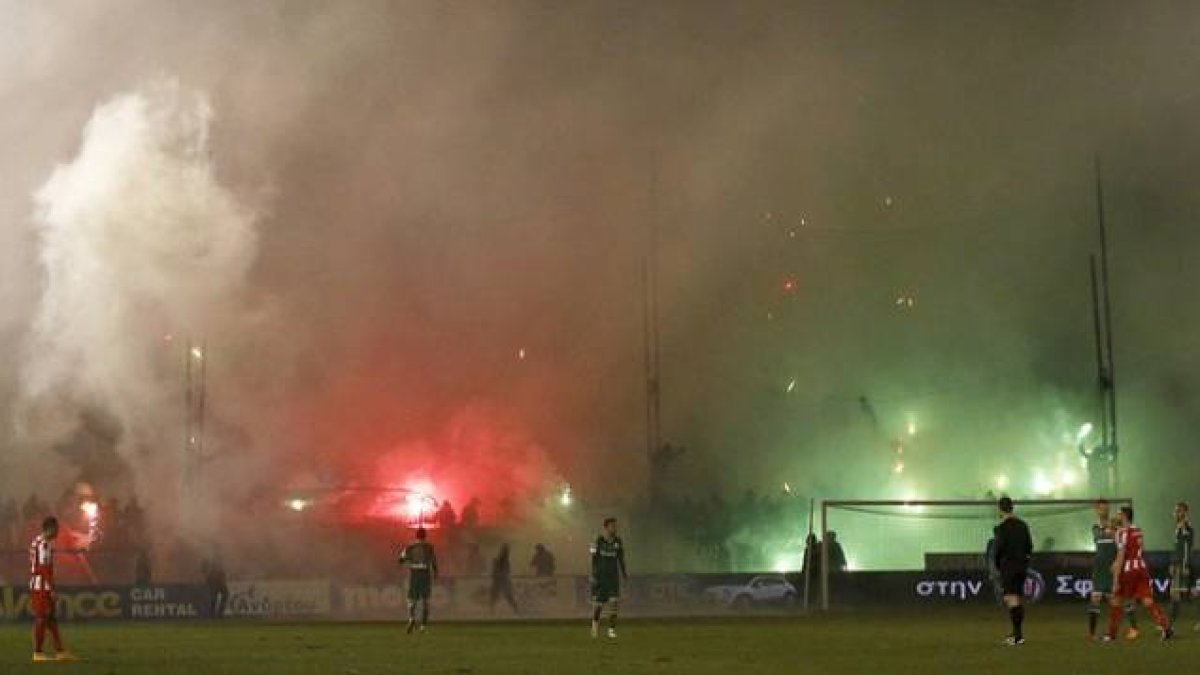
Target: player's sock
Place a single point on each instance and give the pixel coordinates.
(596, 612)
(52, 626)
(1017, 616)
(39, 635)
(1093, 618)
(1131, 614)
(1114, 619)
(1160, 617)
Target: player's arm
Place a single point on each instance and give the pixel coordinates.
(621, 562)
(1189, 538)
(433, 568)
(998, 546)
(1119, 561)
(595, 573)
(403, 555)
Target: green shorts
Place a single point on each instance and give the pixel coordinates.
(1181, 578)
(1102, 581)
(420, 585)
(605, 590)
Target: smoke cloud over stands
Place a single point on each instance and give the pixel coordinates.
(393, 222)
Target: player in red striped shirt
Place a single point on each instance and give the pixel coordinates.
(41, 593)
(1132, 578)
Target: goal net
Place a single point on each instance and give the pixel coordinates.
(895, 536)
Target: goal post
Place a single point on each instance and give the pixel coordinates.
(899, 535)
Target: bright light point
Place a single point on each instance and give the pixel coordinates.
(1041, 484)
(417, 503)
(197, 353)
(792, 234)
(565, 498)
(791, 386)
(1084, 432)
(787, 488)
(297, 505)
(521, 353)
(803, 222)
(898, 468)
(887, 201)
(1001, 482)
(912, 428)
(787, 563)
(90, 509)
(789, 285)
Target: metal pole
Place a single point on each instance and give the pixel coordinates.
(808, 552)
(824, 557)
(1111, 442)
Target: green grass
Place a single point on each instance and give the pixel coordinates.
(948, 641)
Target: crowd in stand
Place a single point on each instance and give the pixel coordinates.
(116, 527)
(724, 536)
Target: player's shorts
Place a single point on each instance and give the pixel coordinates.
(1102, 581)
(1181, 578)
(605, 591)
(420, 585)
(1135, 585)
(41, 604)
(1012, 582)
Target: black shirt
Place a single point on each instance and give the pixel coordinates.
(1013, 545)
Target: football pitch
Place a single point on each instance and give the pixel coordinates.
(876, 643)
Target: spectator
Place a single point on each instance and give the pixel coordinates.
(134, 521)
(141, 569)
(502, 579)
(445, 517)
(9, 517)
(475, 564)
(214, 578)
(33, 510)
(543, 563)
(812, 556)
(470, 515)
(837, 557)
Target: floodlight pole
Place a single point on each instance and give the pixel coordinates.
(1108, 451)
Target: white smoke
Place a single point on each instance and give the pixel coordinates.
(142, 249)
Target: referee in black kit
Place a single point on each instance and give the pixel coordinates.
(1014, 546)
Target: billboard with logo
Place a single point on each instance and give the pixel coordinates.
(280, 599)
(73, 604)
(167, 602)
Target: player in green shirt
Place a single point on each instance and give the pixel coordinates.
(421, 560)
(1104, 534)
(608, 571)
(1181, 560)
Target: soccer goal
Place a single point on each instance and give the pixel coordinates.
(895, 536)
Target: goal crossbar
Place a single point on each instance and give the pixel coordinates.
(916, 503)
